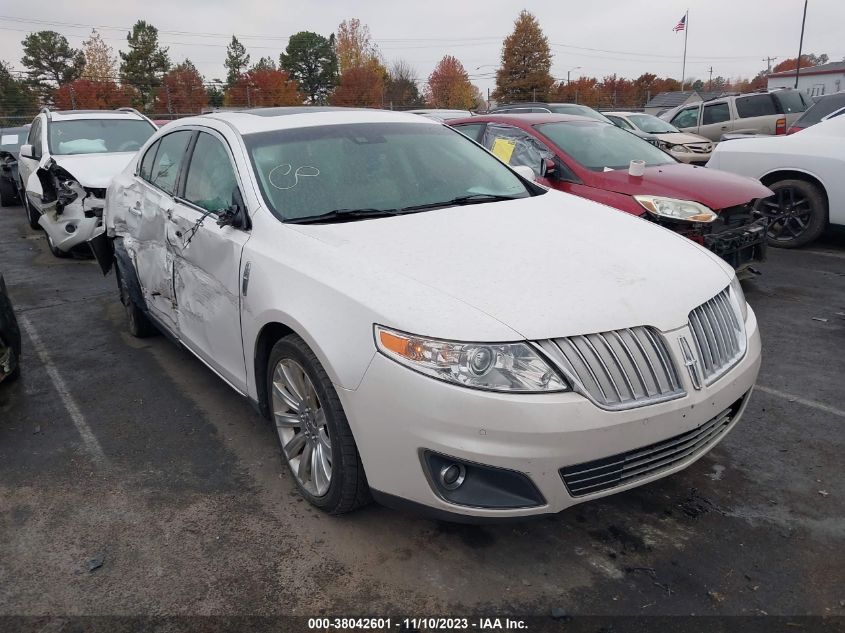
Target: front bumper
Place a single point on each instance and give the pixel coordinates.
(396, 414)
(78, 222)
(692, 158)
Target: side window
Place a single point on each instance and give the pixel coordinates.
(171, 150)
(686, 118)
(755, 105)
(515, 147)
(211, 178)
(147, 163)
(472, 130)
(716, 113)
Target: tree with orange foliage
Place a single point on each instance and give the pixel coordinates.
(259, 88)
(361, 86)
(525, 73)
(354, 46)
(449, 86)
(85, 94)
(182, 91)
(806, 62)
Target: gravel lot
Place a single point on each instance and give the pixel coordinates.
(132, 453)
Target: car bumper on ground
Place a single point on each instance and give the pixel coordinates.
(408, 425)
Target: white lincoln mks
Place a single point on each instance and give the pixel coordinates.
(422, 324)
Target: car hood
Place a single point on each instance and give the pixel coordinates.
(94, 170)
(713, 188)
(548, 266)
(682, 138)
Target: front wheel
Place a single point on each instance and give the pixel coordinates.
(31, 215)
(139, 325)
(313, 433)
(797, 213)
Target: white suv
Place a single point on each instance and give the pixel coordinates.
(66, 164)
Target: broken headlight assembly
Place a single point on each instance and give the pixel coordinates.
(683, 210)
(510, 367)
(739, 297)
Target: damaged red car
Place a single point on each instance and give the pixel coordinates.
(592, 159)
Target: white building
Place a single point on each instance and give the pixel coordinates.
(813, 81)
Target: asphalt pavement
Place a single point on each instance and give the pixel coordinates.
(135, 482)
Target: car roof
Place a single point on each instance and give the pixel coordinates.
(528, 118)
(270, 119)
(72, 115)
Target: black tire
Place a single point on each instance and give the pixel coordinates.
(32, 216)
(797, 213)
(137, 322)
(348, 489)
(8, 193)
(57, 252)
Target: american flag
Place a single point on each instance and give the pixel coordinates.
(680, 26)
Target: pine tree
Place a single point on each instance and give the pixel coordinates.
(144, 64)
(51, 61)
(237, 61)
(526, 63)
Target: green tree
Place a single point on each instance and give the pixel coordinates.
(310, 59)
(16, 98)
(265, 63)
(526, 63)
(144, 64)
(237, 61)
(51, 61)
(215, 94)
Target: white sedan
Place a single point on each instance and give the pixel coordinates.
(421, 323)
(805, 170)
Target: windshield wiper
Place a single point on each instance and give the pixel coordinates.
(473, 198)
(342, 215)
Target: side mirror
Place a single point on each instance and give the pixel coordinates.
(26, 151)
(236, 215)
(525, 171)
(548, 169)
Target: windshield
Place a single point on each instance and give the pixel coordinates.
(11, 139)
(98, 136)
(651, 124)
(311, 171)
(597, 146)
(579, 110)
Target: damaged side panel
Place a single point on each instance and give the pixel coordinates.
(70, 213)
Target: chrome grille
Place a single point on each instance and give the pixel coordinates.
(719, 335)
(620, 369)
(617, 470)
(700, 149)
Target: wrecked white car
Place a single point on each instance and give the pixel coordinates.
(66, 164)
(422, 324)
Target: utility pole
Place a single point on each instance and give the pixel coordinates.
(710, 81)
(769, 61)
(801, 45)
(72, 98)
(248, 102)
(167, 94)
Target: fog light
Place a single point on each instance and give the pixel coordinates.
(452, 476)
(70, 228)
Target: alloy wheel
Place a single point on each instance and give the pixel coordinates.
(789, 213)
(302, 427)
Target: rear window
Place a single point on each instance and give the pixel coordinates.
(755, 105)
(11, 140)
(791, 101)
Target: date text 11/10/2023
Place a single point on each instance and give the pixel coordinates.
(421, 623)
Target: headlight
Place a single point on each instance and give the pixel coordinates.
(514, 367)
(676, 209)
(679, 148)
(739, 297)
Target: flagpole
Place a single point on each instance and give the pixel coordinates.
(684, 67)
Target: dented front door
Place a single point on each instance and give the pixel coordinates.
(207, 260)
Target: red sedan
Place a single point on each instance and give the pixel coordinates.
(591, 159)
